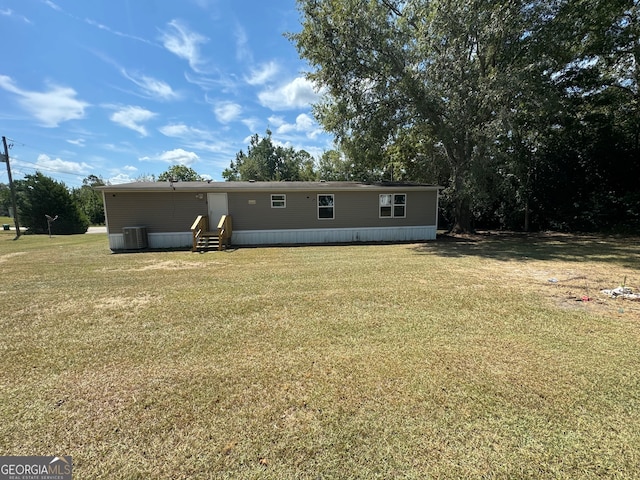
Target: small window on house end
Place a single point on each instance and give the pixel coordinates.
(278, 200)
(325, 207)
(399, 205)
(393, 205)
(386, 205)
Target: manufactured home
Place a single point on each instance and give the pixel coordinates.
(211, 215)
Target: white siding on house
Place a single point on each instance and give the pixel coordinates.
(170, 240)
(116, 241)
(156, 240)
(305, 236)
(340, 235)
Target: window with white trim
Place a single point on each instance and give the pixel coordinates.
(278, 200)
(393, 205)
(326, 207)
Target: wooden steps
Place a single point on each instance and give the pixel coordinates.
(207, 242)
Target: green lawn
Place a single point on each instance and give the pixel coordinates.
(452, 359)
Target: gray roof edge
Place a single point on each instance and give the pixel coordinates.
(260, 186)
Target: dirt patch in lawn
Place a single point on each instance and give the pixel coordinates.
(168, 265)
(163, 265)
(119, 302)
(7, 256)
(570, 270)
(576, 288)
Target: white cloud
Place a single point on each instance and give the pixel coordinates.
(243, 52)
(260, 76)
(10, 13)
(106, 28)
(251, 123)
(119, 178)
(179, 156)
(316, 151)
(213, 147)
(227, 111)
(79, 142)
(53, 5)
(304, 123)
(180, 130)
(56, 105)
(276, 121)
(58, 165)
(176, 156)
(175, 130)
(184, 43)
(132, 117)
(195, 138)
(126, 174)
(299, 93)
(122, 147)
(152, 87)
(224, 83)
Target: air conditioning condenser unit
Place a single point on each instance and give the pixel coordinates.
(135, 238)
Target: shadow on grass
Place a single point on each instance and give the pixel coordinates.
(624, 251)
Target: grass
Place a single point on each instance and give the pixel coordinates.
(453, 359)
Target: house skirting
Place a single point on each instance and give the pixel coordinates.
(156, 240)
(290, 237)
(338, 235)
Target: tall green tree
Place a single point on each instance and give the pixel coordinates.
(146, 177)
(40, 196)
(334, 166)
(443, 72)
(90, 201)
(266, 161)
(5, 199)
(180, 173)
(594, 153)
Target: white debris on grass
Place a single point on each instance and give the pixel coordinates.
(622, 292)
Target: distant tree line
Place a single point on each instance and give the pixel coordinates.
(266, 161)
(527, 112)
(41, 199)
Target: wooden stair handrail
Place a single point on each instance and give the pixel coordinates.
(200, 229)
(225, 231)
(199, 226)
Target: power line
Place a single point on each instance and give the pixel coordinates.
(37, 166)
(73, 179)
(22, 144)
(23, 165)
(14, 142)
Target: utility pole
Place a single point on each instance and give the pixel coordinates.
(12, 188)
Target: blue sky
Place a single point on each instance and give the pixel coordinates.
(125, 88)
